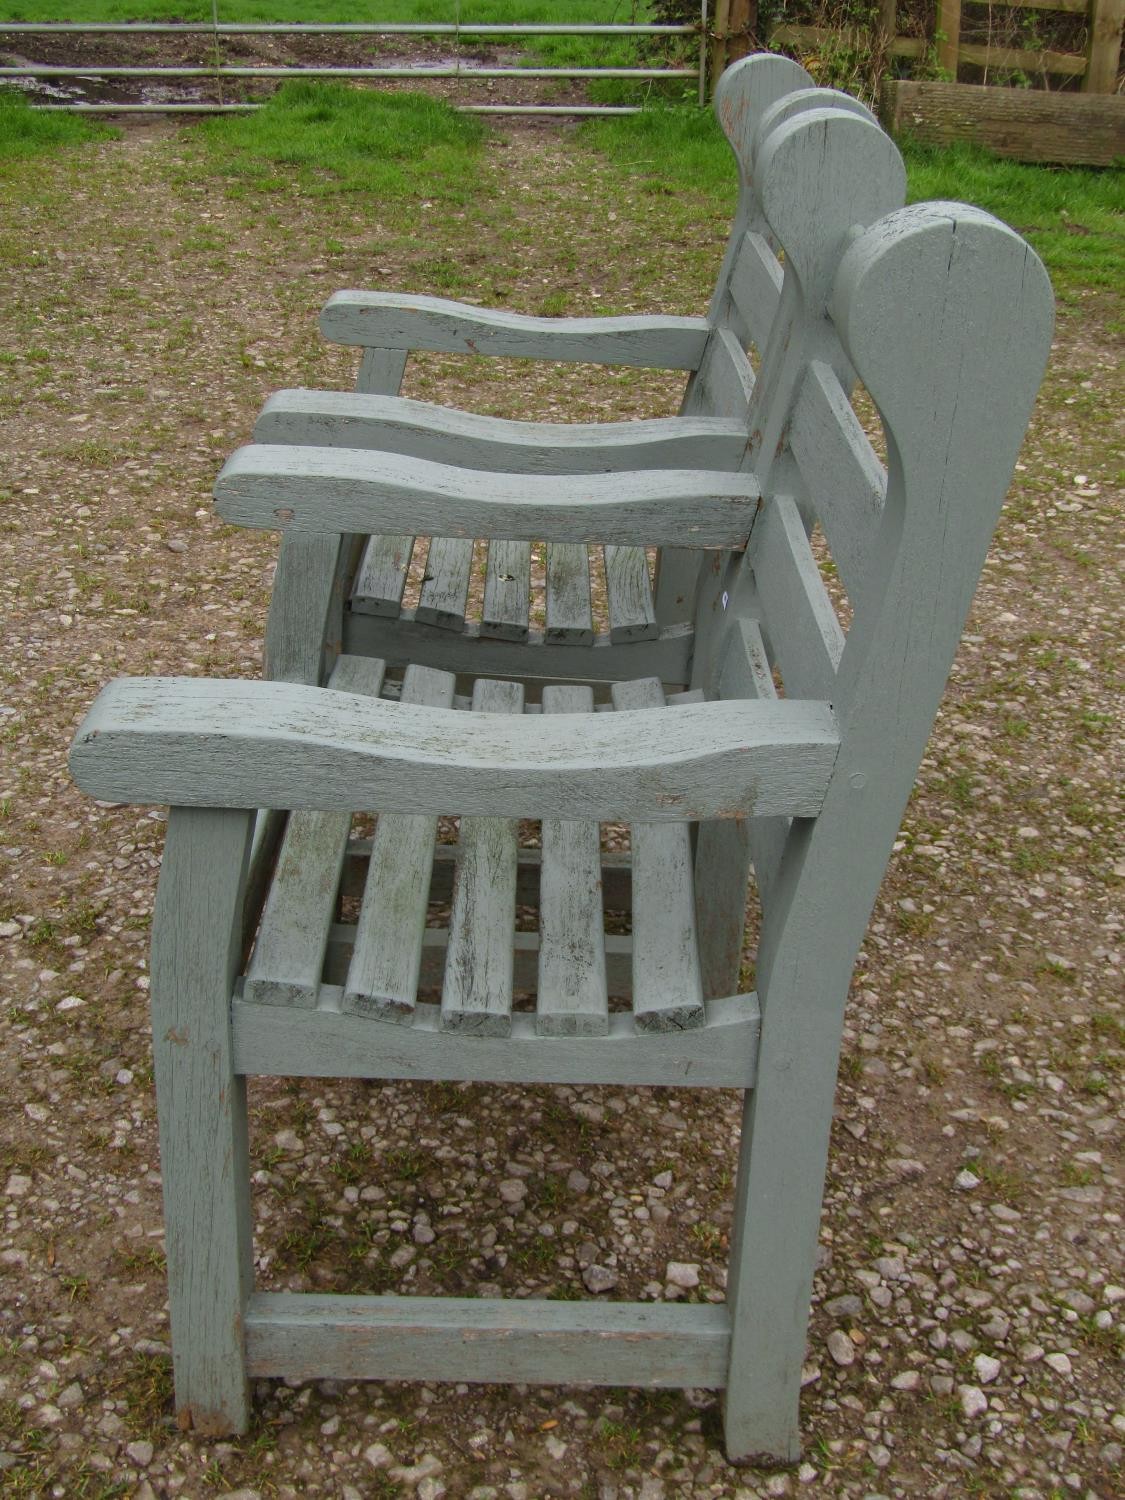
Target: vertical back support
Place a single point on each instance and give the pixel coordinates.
(954, 380)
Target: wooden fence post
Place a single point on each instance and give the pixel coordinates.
(949, 32)
(731, 34)
(1103, 50)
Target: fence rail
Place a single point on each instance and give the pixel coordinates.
(723, 33)
(220, 70)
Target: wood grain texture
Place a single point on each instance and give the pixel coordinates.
(945, 315)
(525, 955)
(381, 578)
(572, 998)
(570, 617)
(507, 592)
(666, 655)
(476, 998)
(629, 595)
(325, 1043)
(416, 429)
(806, 635)
(305, 624)
(381, 371)
(755, 286)
(728, 378)
(667, 990)
(445, 585)
(304, 1336)
(387, 958)
(285, 967)
(248, 744)
(277, 488)
(201, 1104)
(1035, 125)
(846, 481)
(391, 320)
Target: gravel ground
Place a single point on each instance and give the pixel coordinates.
(966, 1335)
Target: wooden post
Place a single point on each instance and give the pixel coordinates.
(888, 22)
(949, 34)
(1103, 50)
(731, 36)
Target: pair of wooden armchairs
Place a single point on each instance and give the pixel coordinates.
(725, 715)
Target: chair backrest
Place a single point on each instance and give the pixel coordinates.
(858, 576)
(754, 99)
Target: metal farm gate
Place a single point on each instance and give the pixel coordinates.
(217, 71)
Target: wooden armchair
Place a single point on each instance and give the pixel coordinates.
(789, 758)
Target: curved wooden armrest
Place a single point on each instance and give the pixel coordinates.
(192, 742)
(393, 320)
(418, 429)
(273, 487)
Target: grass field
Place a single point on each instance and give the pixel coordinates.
(1074, 217)
(295, 11)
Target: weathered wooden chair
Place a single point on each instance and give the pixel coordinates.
(792, 757)
(351, 589)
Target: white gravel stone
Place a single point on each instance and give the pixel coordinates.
(841, 1348)
(974, 1402)
(379, 1456)
(986, 1368)
(966, 1181)
(1060, 1363)
(909, 1380)
(684, 1274)
(512, 1190)
(597, 1278)
(140, 1453)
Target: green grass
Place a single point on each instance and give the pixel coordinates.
(27, 132)
(1073, 216)
(334, 139)
(510, 11)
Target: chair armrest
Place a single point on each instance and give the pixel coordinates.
(275, 487)
(390, 320)
(418, 429)
(194, 742)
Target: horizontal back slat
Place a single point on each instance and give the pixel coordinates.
(755, 286)
(804, 633)
(728, 377)
(845, 479)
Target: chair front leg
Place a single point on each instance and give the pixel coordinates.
(201, 1103)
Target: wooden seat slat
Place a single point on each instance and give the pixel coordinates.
(667, 988)
(507, 591)
(387, 957)
(445, 589)
(285, 966)
(572, 996)
(628, 587)
(381, 577)
(477, 994)
(569, 611)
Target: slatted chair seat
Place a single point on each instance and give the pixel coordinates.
(379, 961)
(767, 743)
